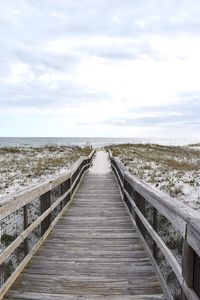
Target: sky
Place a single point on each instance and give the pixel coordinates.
(103, 68)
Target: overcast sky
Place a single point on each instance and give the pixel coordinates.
(127, 68)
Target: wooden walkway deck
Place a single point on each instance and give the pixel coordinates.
(92, 253)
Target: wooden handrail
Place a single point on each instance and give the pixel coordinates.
(18, 200)
(10, 249)
(18, 204)
(184, 221)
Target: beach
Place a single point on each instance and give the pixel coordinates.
(23, 167)
(174, 170)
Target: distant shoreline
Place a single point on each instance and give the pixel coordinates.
(96, 142)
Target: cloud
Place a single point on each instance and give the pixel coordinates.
(182, 114)
(115, 58)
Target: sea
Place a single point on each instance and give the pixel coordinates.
(95, 142)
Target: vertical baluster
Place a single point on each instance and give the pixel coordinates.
(25, 225)
(61, 192)
(155, 227)
(45, 203)
(187, 266)
(196, 274)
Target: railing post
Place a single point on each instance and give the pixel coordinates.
(187, 266)
(70, 186)
(45, 203)
(61, 193)
(155, 227)
(124, 187)
(25, 225)
(88, 161)
(127, 188)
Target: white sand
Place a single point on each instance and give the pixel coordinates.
(23, 167)
(101, 163)
(158, 167)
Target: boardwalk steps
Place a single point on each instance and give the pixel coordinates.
(92, 253)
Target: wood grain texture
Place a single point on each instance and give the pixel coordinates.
(193, 234)
(93, 252)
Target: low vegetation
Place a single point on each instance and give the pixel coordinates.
(24, 166)
(175, 170)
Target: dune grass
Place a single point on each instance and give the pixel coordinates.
(175, 170)
(22, 166)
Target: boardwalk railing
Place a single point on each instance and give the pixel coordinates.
(169, 230)
(27, 218)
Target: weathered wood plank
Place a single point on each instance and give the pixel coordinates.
(93, 252)
(46, 296)
(193, 235)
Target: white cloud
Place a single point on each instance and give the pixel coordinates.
(100, 65)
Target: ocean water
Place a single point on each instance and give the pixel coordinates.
(89, 141)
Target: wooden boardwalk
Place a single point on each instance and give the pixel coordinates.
(92, 253)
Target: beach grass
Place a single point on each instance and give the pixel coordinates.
(175, 170)
(24, 166)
